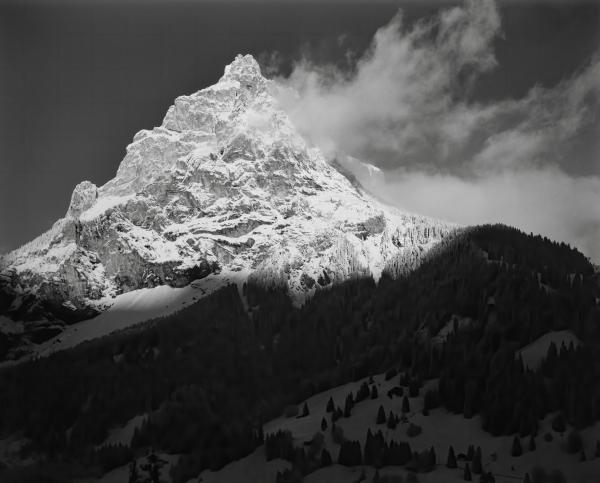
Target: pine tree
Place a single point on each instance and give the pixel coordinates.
(597, 454)
(330, 405)
(325, 458)
(477, 466)
(432, 457)
(381, 419)
(532, 443)
(153, 467)
(582, 456)
(467, 474)
(305, 411)
(348, 406)
(392, 422)
(133, 472)
(376, 477)
(405, 405)
(374, 392)
(470, 452)
(337, 414)
(260, 435)
(451, 461)
(517, 450)
(323, 424)
(527, 479)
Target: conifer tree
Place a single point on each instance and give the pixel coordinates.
(392, 422)
(325, 458)
(470, 452)
(477, 466)
(467, 474)
(348, 407)
(532, 443)
(133, 472)
(337, 414)
(323, 424)
(330, 405)
(517, 450)
(374, 392)
(527, 479)
(381, 419)
(451, 461)
(305, 411)
(432, 457)
(153, 467)
(405, 405)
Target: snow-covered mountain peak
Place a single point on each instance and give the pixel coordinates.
(225, 183)
(245, 70)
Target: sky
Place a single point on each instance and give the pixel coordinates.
(476, 111)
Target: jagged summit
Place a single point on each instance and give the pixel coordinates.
(245, 70)
(225, 184)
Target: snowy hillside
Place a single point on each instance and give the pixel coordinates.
(439, 429)
(224, 184)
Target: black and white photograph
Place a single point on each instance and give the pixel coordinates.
(286, 241)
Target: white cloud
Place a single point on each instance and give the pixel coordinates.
(405, 106)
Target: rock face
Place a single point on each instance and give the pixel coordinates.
(225, 182)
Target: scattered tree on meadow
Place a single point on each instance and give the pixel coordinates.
(451, 460)
(559, 423)
(133, 472)
(516, 450)
(432, 456)
(405, 405)
(413, 388)
(467, 473)
(348, 405)
(337, 414)
(375, 449)
(477, 465)
(279, 445)
(574, 442)
(363, 392)
(381, 419)
(153, 468)
(305, 411)
(325, 458)
(392, 421)
(376, 477)
(470, 452)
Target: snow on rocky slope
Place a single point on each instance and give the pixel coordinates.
(225, 183)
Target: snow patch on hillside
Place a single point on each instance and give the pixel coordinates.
(132, 308)
(534, 353)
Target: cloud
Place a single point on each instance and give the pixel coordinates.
(405, 105)
(545, 201)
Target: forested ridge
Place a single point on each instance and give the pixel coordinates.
(209, 375)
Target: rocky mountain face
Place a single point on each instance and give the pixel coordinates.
(224, 183)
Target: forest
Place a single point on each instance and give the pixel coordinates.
(211, 374)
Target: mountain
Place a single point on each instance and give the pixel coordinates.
(224, 188)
